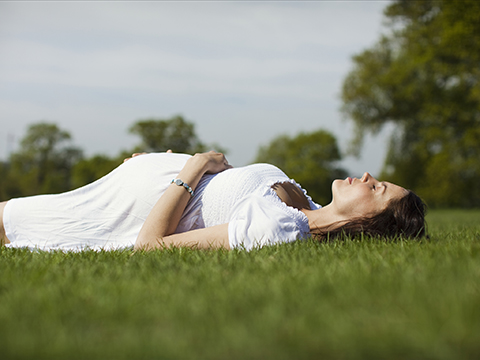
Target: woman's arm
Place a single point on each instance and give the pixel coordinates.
(158, 229)
(208, 238)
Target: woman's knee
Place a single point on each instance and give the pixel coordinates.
(3, 237)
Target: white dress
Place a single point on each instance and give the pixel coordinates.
(109, 213)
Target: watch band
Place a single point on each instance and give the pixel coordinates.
(184, 184)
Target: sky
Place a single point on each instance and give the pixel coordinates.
(244, 72)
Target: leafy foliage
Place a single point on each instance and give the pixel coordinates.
(43, 164)
(424, 76)
(176, 134)
(310, 158)
(91, 169)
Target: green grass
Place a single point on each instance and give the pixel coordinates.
(343, 300)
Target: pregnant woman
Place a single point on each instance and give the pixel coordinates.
(164, 199)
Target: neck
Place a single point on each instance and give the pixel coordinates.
(323, 217)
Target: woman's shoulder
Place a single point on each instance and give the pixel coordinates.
(260, 220)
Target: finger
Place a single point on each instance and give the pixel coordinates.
(169, 151)
(226, 164)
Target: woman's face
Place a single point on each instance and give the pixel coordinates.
(367, 196)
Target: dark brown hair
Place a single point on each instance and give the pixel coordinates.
(402, 217)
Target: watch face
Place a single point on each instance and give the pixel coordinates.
(179, 182)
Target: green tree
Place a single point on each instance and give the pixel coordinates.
(424, 77)
(88, 170)
(309, 158)
(8, 189)
(43, 164)
(177, 134)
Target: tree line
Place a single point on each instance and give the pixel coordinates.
(48, 162)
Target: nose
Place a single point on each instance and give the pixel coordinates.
(366, 177)
(369, 178)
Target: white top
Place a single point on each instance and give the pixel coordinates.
(109, 213)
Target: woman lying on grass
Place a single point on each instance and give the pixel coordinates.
(209, 204)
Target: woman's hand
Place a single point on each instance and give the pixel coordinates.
(211, 162)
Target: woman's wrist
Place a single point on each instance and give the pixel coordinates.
(194, 167)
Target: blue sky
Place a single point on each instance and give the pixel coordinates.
(242, 71)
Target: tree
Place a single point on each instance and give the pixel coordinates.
(310, 158)
(424, 77)
(44, 162)
(8, 189)
(88, 170)
(176, 134)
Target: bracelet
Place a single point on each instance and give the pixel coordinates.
(185, 185)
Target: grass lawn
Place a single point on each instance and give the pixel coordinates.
(343, 300)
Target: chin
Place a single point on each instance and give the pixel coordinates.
(335, 184)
